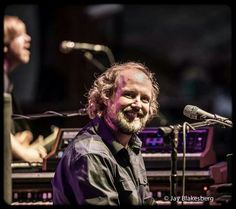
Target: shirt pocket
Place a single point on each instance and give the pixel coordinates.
(128, 193)
(127, 185)
(142, 178)
(143, 188)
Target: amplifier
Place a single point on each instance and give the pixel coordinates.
(199, 149)
(155, 142)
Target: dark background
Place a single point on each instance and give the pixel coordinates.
(187, 46)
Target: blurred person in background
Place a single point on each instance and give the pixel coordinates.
(17, 51)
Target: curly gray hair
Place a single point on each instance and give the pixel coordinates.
(104, 86)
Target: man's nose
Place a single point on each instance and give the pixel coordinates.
(28, 37)
(137, 103)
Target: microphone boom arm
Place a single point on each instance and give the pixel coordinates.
(166, 130)
(67, 46)
(210, 122)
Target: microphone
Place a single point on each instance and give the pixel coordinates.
(194, 112)
(67, 46)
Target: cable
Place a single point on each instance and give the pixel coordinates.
(51, 113)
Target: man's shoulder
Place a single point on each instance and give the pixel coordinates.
(87, 143)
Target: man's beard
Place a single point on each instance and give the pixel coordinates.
(129, 127)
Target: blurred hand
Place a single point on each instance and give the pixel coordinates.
(21, 148)
(24, 137)
(34, 154)
(38, 141)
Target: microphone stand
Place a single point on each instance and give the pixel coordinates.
(109, 54)
(173, 130)
(173, 177)
(95, 62)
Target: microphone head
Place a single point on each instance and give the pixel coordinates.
(191, 112)
(196, 113)
(66, 46)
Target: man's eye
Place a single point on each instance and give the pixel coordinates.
(128, 95)
(146, 100)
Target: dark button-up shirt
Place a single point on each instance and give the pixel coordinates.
(96, 169)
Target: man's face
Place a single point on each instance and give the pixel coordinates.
(19, 48)
(128, 108)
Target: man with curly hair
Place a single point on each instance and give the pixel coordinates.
(103, 165)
